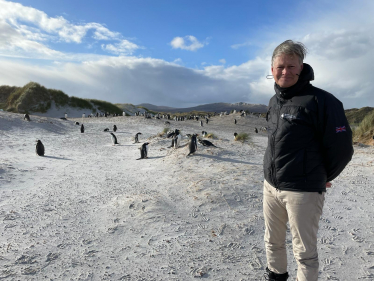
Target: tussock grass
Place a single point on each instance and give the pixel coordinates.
(5, 92)
(211, 136)
(164, 131)
(81, 103)
(365, 130)
(356, 115)
(243, 137)
(31, 97)
(60, 98)
(106, 106)
(36, 98)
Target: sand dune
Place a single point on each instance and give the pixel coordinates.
(89, 211)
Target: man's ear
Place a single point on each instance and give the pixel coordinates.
(301, 68)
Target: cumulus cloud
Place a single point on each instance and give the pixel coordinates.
(30, 30)
(189, 43)
(237, 46)
(124, 47)
(137, 80)
(223, 61)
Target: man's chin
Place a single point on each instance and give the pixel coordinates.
(285, 84)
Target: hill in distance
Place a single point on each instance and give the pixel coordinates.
(36, 99)
(210, 107)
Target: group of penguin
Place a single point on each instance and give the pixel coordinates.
(40, 151)
(175, 135)
(192, 146)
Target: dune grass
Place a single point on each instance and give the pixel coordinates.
(243, 137)
(31, 97)
(211, 136)
(365, 130)
(356, 115)
(106, 106)
(60, 98)
(164, 131)
(81, 103)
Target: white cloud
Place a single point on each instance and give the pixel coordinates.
(178, 61)
(30, 30)
(122, 79)
(223, 61)
(182, 43)
(237, 46)
(124, 47)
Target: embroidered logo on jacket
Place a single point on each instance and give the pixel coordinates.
(340, 129)
(287, 116)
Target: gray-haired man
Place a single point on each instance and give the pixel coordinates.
(309, 144)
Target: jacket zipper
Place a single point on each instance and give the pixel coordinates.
(273, 172)
(304, 164)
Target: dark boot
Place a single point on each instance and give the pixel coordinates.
(271, 276)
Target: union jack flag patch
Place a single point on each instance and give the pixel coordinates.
(340, 129)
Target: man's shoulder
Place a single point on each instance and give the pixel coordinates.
(322, 95)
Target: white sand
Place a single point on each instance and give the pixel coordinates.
(89, 211)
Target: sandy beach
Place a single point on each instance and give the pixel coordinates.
(89, 210)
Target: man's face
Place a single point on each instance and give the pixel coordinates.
(285, 70)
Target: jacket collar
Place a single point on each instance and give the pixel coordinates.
(305, 77)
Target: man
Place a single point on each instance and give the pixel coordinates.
(309, 144)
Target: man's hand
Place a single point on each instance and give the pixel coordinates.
(328, 184)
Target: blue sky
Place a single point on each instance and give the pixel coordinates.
(183, 53)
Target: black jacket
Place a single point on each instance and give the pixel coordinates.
(309, 138)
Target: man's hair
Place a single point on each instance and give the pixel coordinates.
(290, 47)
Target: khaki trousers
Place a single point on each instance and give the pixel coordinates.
(302, 210)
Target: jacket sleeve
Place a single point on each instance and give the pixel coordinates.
(336, 138)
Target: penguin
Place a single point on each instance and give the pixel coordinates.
(114, 128)
(76, 123)
(204, 133)
(26, 117)
(235, 121)
(143, 151)
(172, 143)
(206, 120)
(114, 139)
(235, 134)
(82, 129)
(170, 135)
(206, 143)
(106, 130)
(256, 131)
(177, 139)
(39, 149)
(137, 137)
(192, 146)
(201, 123)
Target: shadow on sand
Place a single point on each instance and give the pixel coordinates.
(58, 158)
(151, 158)
(227, 159)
